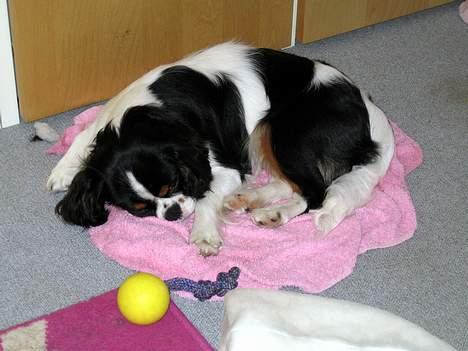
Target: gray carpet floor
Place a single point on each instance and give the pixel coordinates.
(416, 69)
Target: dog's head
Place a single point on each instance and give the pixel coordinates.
(154, 165)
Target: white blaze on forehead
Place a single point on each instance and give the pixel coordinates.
(139, 188)
(186, 204)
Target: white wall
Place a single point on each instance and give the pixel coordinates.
(9, 114)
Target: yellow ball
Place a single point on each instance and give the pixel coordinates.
(143, 298)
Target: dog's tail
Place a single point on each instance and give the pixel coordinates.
(354, 189)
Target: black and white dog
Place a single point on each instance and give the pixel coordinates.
(183, 137)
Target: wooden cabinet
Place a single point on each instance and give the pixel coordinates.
(318, 19)
(70, 53)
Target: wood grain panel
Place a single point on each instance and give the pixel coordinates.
(378, 10)
(260, 23)
(318, 19)
(75, 52)
(324, 18)
(273, 27)
(238, 16)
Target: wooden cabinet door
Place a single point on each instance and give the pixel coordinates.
(70, 53)
(318, 19)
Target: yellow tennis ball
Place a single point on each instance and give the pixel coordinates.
(143, 298)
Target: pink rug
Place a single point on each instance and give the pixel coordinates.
(97, 324)
(292, 255)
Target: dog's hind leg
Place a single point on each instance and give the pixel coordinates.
(275, 215)
(69, 165)
(354, 189)
(247, 198)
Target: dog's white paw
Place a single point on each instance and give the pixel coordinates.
(207, 240)
(243, 200)
(60, 178)
(268, 217)
(326, 220)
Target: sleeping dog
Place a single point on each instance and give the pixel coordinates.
(183, 138)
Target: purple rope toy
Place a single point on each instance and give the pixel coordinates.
(206, 289)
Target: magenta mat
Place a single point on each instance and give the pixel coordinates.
(97, 324)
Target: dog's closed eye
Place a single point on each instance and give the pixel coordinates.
(165, 190)
(140, 205)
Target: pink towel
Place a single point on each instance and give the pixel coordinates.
(292, 255)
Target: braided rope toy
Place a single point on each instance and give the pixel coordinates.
(206, 289)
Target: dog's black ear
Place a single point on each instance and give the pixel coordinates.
(195, 171)
(84, 202)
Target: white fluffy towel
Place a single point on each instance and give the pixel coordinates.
(271, 320)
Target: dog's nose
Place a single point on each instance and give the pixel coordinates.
(173, 213)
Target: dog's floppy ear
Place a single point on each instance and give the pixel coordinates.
(84, 202)
(195, 170)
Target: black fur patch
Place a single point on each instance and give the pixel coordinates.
(319, 132)
(212, 109)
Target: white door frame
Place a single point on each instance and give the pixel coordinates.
(9, 112)
(294, 23)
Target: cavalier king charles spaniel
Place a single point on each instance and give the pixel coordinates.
(183, 138)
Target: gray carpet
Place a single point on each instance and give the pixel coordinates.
(416, 69)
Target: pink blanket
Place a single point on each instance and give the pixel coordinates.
(292, 255)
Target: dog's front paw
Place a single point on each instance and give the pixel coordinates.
(207, 240)
(60, 178)
(241, 201)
